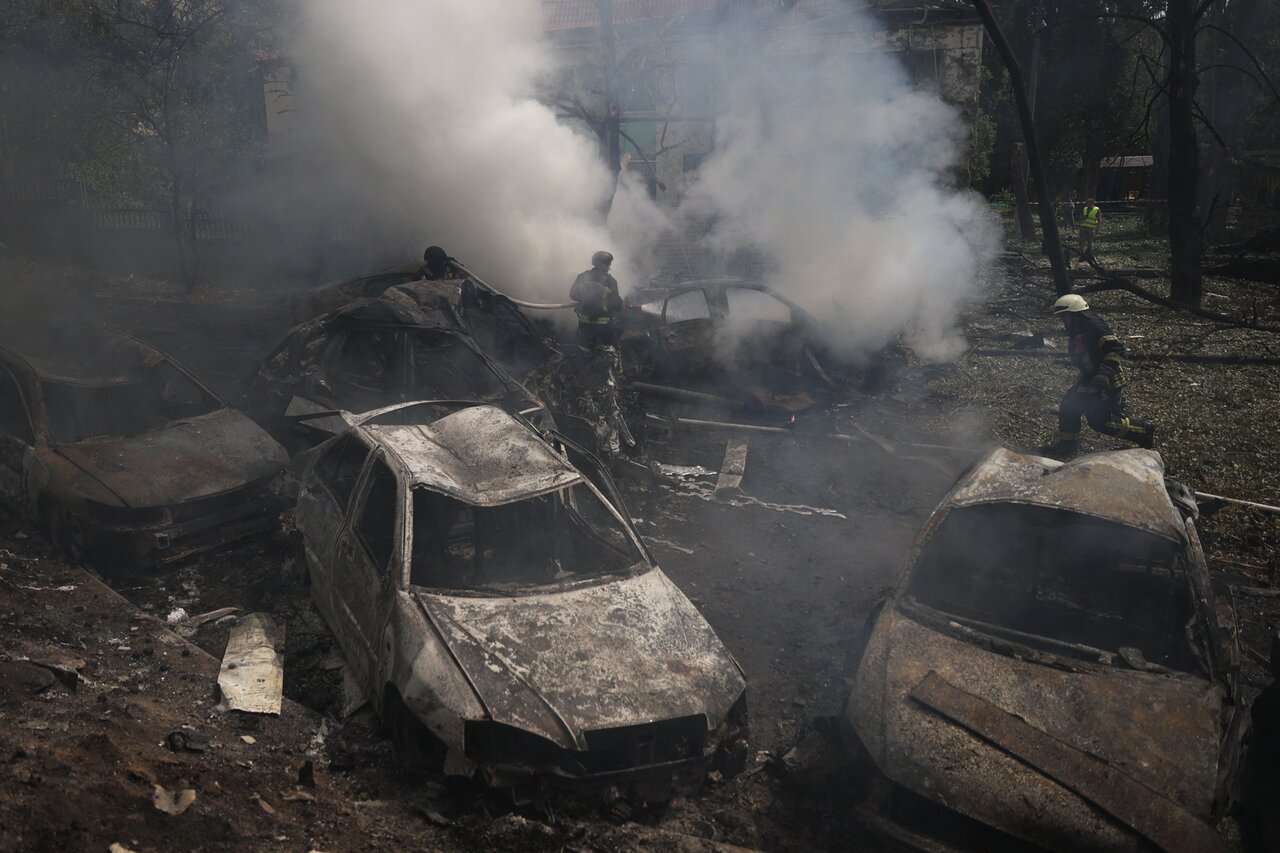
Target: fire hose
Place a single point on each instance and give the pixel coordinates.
(535, 306)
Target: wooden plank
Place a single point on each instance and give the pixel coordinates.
(252, 674)
(733, 467)
(1148, 812)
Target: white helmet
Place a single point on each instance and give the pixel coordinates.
(1070, 304)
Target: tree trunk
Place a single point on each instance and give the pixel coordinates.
(1018, 182)
(612, 124)
(1186, 234)
(1157, 213)
(1234, 95)
(1052, 245)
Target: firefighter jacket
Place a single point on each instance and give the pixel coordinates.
(1095, 352)
(596, 293)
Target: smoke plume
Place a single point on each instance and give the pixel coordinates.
(827, 164)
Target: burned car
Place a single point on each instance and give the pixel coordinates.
(502, 613)
(121, 453)
(377, 352)
(736, 330)
(493, 320)
(330, 297)
(1055, 666)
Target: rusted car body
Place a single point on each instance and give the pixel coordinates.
(378, 352)
(487, 593)
(330, 297)
(496, 323)
(122, 453)
(740, 332)
(1055, 666)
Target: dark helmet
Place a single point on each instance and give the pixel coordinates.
(601, 258)
(437, 261)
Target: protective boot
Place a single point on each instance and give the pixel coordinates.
(1143, 433)
(1068, 445)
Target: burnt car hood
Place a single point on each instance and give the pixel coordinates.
(560, 664)
(1162, 730)
(186, 460)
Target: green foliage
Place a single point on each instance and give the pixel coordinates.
(145, 101)
(984, 140)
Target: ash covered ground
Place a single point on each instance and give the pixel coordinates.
(787, 586)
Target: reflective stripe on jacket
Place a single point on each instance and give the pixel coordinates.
(1091, 215)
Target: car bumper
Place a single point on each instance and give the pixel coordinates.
(194, 531)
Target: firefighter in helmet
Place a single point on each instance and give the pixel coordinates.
(596, 293)
(1098, 393)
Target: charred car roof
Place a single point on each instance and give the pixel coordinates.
(653, 292)
(1126, 486)
(77, 353)
(480, 455)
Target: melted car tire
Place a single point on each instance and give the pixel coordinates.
(66, 531)
(414, 744)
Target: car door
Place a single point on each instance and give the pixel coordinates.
(367, 548)
(759, 329)
(687, 333)
(17, 444)
(323, 499)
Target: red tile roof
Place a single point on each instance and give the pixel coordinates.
(582, 14)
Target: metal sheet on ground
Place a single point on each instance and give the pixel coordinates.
(1151, 814)
(733, 467)
(252, 674)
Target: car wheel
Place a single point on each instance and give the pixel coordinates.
(637, 360)
(67, 532)
(414, 744)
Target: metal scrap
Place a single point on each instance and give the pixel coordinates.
(733, 467)
(252, 675)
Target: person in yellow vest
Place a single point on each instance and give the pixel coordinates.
(596, 293)
(1090, 217)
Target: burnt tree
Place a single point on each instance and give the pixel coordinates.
(1186, 233)
(1048, 223)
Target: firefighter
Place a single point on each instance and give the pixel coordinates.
(1098, 393)
(596, 293)
(436, 264)
(1090, 218)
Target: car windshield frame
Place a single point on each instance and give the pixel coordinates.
(58, 391)
(1098, 600)
(635, 558)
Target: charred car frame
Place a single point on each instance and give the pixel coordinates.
(1055, 666)
(120, 452)
(379, 352)
(502, 613)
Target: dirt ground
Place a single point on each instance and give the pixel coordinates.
(787, 583)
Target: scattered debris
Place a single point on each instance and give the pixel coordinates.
(252, 674)
(176, 615)
(249, 739)
(733, 467)
(173, 802)
(185, 740)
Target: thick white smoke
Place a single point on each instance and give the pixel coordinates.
(829, 164)
(423, 110)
